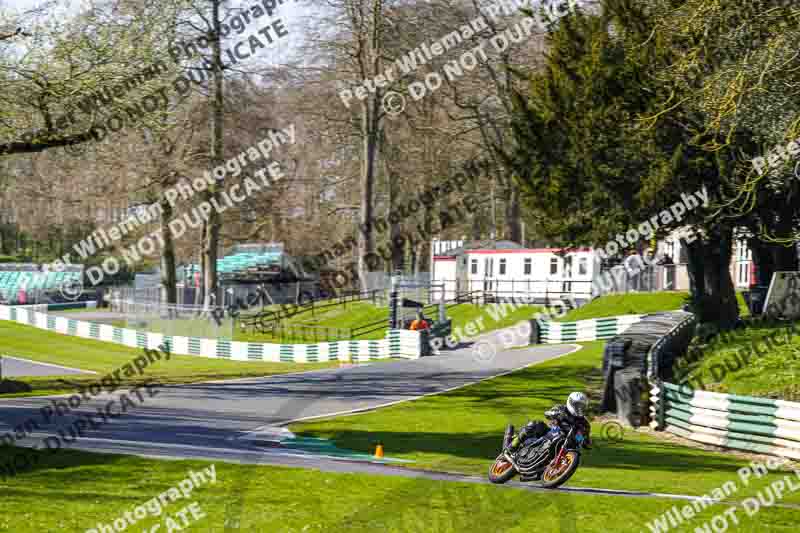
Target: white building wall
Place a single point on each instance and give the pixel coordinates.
(539, 272)
(741, 262)
(444, 272)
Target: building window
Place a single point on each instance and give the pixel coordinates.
(474, 269)
(554, 265)
(502, 267)
(528, 266)
(583, 266)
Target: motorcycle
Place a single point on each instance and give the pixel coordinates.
(552, 459)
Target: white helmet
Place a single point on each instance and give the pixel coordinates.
(576, 403)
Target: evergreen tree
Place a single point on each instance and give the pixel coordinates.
(608, 146)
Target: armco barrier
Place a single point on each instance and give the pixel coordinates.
(629, 360)
(397, 343)
(670, 345)
(593, 329)
(745, 423)
(757, 425)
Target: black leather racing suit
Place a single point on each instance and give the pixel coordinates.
(558, 413)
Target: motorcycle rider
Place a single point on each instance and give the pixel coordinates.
(571, 414)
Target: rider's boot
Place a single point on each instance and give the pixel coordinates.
(520, 437)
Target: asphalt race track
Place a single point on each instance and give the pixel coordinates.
(224, 420)
(14, 367)
(221, 420)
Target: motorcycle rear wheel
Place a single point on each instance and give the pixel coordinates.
(556, 475)
(501, 470)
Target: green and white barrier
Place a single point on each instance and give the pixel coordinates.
(397, 343)
(757, 425)
(593, 329)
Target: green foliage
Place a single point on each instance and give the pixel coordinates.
(736, 62)
(606, 144)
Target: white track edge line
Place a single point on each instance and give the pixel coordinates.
(45, 364)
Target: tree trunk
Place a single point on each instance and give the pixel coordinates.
(712, 291)
(216, 117)
(476, 222)
(770, 257)
(763, 259)
(199, 293)
(513, 221)
(424, 244)
(366, 238)
(371, 59)
(396, 243)
(785, 257)
(169, 290)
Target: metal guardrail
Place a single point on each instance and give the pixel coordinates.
(745, 423)
(658, 352)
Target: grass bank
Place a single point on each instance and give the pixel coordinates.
(461, 431)
(103, 357)
(627, 304)
(74, 491)
(761, 359)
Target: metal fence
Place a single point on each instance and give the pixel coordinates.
(654, 278)
(616, 280)
(175, 320)
(529, 290)
(228, 294)
(416, 287)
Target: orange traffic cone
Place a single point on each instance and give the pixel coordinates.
(379, 451)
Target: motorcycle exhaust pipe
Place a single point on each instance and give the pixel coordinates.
(512, 461)
(531, 469)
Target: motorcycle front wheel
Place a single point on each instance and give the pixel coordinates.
(557, 474)
(501, 470)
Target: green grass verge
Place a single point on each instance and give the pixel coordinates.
(731, 364)
(744, 311)
(461, 431)
(627, 304)
(103, 357)
(639, 303)
(73, 491)
(346, 317)
(467, 313)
